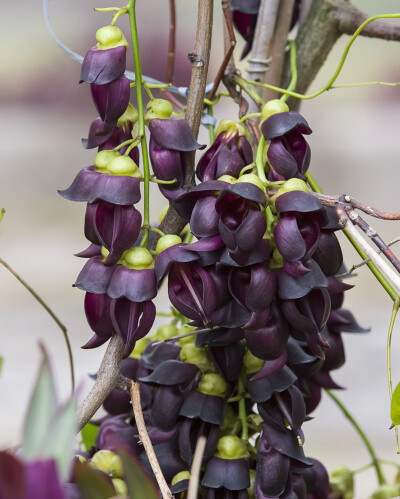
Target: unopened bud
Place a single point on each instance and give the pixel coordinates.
(228, 178)
(271, 107)
(166, 242)
(120, 487)
(250, 178)
(122, 165)
(386, 491)
(212, 384)
(158, 108)
(138, 258)
(198, 356)
(182, 475)
(103, 158)
(110, 37)
(108, 462)
(231, 447)
(164, 332)
(130, 116)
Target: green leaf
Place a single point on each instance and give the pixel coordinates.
(40, 413)
(89, 434)
(395, 407)
(139, 483)
(92, 484)
(60, 437)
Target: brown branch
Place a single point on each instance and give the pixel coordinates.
(134, 391)
(107, 378)
(171, 43)
(48, 310)
(196, 467)
(273, 76)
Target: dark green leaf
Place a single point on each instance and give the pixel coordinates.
(89, 434)
(92, 484)
(139, 484)
(395, 407)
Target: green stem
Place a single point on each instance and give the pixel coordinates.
(211, 129)
(363, 436)
(247, 116)
(293, 69)
(259, 160)
(246, 169)
(157, 231)
(242, 409)
(331, 81)
(142, 134)
(244, 85)
(373, 268)
(395, 309)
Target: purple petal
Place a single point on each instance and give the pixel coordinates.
(288, 238)
(173, 134)
(271, 367)
(95, 140)
(232, 474)
(111, 101)
(300, 201)
(97, 310)
(281, 123)
(13, 482)
(95, 277)
(135, 285)
(103, 66)
(295, 287)
(172, 372)
(43, 481)
(281, 159)
(243, 189)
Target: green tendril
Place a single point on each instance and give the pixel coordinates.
(157, 231)
(211, 128)
(134, 143)
(259, 161)
(247, 116)
(396, 305)
(246, 169)
(293, 69)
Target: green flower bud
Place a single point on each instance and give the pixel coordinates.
(122, 165)
(164, 332)
(252, 363)
(140, 347)
(293, 184)
(342, 482)
(158, 108)
(103, 158)
(228, 178)
(182, 475)
(212, 384)
(250, 178)
(120, 487)
(110, 37)
(187, 339)
(130, 116)
(138, 258)
(271, 107)
(166, 242)
(108, 462)
(198, 356)
(231, 447)
(386, 491)
(250, 490)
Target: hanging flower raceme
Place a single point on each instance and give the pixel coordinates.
(228, 155)
(171, 139)
(118, 298)
(288, 152)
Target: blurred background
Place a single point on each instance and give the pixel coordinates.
(44, 115)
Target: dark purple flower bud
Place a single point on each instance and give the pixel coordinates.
(334, 355)
(135, 285)
(103, 66)
(230, 152)
(262, 389)
(231, 474)
(154, 355)
(208, 408)
(170, 141)
(244, 16)
(272, 470)
(288, 153)
(228, 359)
(242, 224)
(116, 227)
(97, 310)
(95, 277)
(290, 288)
(114, 430)
(328, 253)
(317, 480)
(190, 431)
(90, 185)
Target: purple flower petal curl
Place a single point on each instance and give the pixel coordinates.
(135, 285)
(103, 66)
(95, 277)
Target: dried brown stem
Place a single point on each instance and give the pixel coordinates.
(50, 312)
(107, 378)
(196, 467)
(171, 43)
(134, 391)
(273, 76)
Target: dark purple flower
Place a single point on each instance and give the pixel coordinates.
(231, 474)
(114, 430)
(298, 231)
(170, 141)
(111, 101)
(208, 408)
(228, 359)
(230, 152)
(262, 389)
(245, 13)
(90, 185)
(328, 253)
(241, 224)
(103, 66)
(190, 431)
(116, 227)
(288, 153)
(253, 287)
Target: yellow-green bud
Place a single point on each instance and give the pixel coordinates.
(231, 447)
(252, 363)
(140, 347)
(120, 487)
(182, 475)
(212, 384)
(108, 462)
(103, 158)
(228, 178)
(138, 258)
(110, 37)
(250, 178)
(122, 165)
(166, 242)
(158, 108)
(293, 184)
(231, 127)
(342, 482)
(130, 116)
(271, 107)
(386, 491)
(166, 331)
(187, 339)
(198, 356)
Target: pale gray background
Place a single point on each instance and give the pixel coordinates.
(44, 114)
